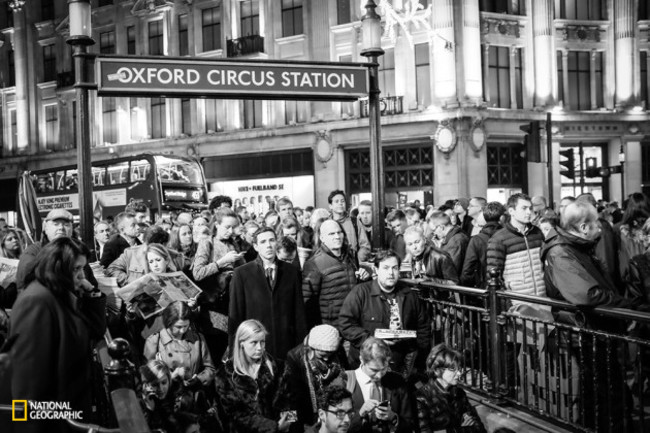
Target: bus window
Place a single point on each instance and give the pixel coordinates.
(118, 173)
(140, 170)
(44, 182)
(71, 179)
(59, 180)
(178, 170)
(99, 176)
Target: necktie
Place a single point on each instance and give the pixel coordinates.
(375, 391)
(269, 276)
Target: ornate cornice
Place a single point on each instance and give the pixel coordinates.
(501, 26)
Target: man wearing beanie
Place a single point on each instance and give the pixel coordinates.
(309, 368)
(385, 304)
(464, 220)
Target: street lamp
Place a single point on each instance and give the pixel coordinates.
(80, 38)
(621, 160)
(371, 48)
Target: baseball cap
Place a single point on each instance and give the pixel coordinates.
(59, 214)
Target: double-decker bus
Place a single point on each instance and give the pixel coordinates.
(162, 182)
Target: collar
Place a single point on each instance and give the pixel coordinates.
(130, 242)
(362, 377)
(375, 290)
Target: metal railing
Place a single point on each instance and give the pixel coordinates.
(245, 45)
(388, 106)
(584, 369)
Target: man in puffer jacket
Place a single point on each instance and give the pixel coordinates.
(329, 275)
(515, 249)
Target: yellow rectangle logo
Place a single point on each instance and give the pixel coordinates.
(15, 403)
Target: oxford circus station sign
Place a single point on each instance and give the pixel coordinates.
(176, 77)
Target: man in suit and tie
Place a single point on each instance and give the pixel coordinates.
(380, 397)
(270, 291)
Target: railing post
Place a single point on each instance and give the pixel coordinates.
(495, 336)
(120, 372)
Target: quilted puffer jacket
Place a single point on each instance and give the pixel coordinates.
(517, 254)
(326, 282)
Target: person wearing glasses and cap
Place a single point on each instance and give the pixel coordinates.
(310, 368)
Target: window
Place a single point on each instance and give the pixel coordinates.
(51, 124)
(422, 74)
(506, 165)
(183, 40)
(105, 3)
(130, 40)
(560, 77)
(387, 73)
(511, 7)
(186, 113)
(343, 12)
(107, 42)
(211, 116)
(250, 17)
(291, 17)
(109, 120)
(581, 9)
(118, 173)
(47, 10)
(135, 119)
(644, 77)
(252, 114)
(598, 186)
(157, 124)
(497, 85)
(11, 63)
(156, 46)
(49, 63)
(99, 176)
(14, 130)
(296, 111)
(347, 108)
(211, 28)
(644, 10)
(10, 16)
(579, 87)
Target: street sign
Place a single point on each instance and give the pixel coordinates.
(217, 78)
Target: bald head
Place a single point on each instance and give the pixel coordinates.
(332, 235)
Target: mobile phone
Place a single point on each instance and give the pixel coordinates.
(292, 415)
(383, 404)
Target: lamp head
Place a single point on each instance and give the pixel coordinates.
(80, 21)
(371, 31)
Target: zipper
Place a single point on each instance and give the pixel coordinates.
(530, 262)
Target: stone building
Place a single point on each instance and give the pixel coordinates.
(458, 80)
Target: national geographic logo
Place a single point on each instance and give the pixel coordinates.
(22, 410)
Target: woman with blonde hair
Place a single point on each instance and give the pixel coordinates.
(247, 384)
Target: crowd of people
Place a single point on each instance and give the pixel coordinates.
(300, 324)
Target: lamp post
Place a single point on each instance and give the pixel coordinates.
(80, 38)
(371, 48)
(621, 160)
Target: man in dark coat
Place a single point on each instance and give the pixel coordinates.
(451, 238)
(573, 274)
(427, 260)
(329, 275)
(385, 304)
(127, 237)
(475, 265)
(268, 290)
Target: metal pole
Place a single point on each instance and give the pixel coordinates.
(495, 335)
(582, 169)
(549, 159)
(376, 158)
(80, 54)
(622, 183)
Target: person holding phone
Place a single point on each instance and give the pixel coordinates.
(380, 397)
(247, 384)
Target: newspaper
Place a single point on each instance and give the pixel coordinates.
(151, 293)
(394, 333)
(8, 268)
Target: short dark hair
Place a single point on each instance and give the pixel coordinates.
(240, 209)
(177, 310)
(289, 222)
(222, 213)
(56, 262)
(333, 395)
(136, 207)
(493, 211)
(309, 209)
(513, 200)
(216, 201)
(395, 215)
(334, 194)
(155, 235)
(365, 203)
(385, 255)
(286, 243)
(481, 200)
(262, 230)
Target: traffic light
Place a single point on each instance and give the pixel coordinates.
(532, 141)
(569, 164)
(592, 170)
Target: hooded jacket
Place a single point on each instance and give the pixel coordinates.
(573, 274)
(517, 254)
(455, 243)
(475, 265)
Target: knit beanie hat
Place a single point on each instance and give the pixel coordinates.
(324, 337)
(463, 202)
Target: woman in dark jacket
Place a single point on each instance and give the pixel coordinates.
(247, 384)
(56, 319)
(442, 404)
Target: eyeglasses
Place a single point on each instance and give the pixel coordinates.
(340, 414)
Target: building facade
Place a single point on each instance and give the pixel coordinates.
(458, 80)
